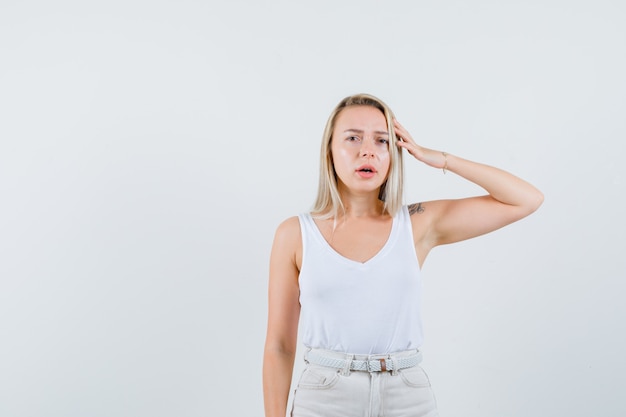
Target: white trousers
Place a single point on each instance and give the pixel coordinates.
(331, 392)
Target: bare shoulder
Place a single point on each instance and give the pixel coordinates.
(289, 229)
(288, 241)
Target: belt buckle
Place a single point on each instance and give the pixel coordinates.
(383, 365)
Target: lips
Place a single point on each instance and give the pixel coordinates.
(366, 169)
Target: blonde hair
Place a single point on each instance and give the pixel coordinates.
(328, 203)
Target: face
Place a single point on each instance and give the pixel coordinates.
(360, 148)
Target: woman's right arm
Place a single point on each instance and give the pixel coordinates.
(283, 316)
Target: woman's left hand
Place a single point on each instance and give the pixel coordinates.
(430, 157)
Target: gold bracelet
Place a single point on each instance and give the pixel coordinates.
(445, 165)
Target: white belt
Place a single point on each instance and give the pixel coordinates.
(382, 364)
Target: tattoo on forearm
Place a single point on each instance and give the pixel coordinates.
(415, 208)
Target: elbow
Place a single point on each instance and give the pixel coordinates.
(538, 200)
(534, 201)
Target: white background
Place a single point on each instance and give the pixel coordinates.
(149, 149)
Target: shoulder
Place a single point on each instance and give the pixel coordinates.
(289, 226)
(288, 232)
(288, 242)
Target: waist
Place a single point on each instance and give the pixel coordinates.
(366, 363)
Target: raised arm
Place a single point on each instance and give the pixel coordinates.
(283, 316)
(509, 198)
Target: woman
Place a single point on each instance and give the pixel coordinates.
(349, 272)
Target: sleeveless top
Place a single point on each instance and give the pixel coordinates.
(361, 308)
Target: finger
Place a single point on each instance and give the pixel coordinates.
(406, 145)
(404, 135)
(401, 131)
(398, 126)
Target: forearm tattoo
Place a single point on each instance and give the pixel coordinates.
(415, 208)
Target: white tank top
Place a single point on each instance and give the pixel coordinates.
(361, 308)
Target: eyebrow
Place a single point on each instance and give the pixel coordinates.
(378, 132)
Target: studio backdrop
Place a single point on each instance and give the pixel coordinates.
(149, 150)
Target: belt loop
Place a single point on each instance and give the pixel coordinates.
(394, 363)
(346, 368)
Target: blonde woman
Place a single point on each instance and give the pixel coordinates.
(348, 273)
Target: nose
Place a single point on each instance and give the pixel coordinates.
(367, 149)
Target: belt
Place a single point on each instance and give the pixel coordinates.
(382, 364)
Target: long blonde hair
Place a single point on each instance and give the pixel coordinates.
(328, 203)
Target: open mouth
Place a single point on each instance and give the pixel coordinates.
(366, 168)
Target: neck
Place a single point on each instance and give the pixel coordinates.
(361, 204)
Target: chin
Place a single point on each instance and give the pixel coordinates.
(365, 189)
(361, 186)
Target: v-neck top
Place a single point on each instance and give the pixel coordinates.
(370, 307)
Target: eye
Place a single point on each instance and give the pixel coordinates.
(352, 138)
(383, 141)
